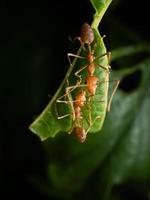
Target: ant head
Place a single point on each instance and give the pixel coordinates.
(87, 34)
(80, 134)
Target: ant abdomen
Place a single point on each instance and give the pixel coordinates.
(80, 133)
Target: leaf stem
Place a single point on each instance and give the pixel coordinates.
(99, 14)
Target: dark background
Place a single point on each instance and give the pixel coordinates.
(34, 44)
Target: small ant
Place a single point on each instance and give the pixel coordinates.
(77, 126)
(78, 129)
(77, 117)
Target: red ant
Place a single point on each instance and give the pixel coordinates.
(77, 116)
(87, 37)
(79, 102)
(92, 81)
(78, 129)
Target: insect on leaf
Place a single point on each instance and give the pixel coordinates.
(47, 123)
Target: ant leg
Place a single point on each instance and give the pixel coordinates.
(79, 39)
(80, 57)
(107, 67)
(75, 56)
(70, 100)
(113, 92)
(103, 67)
(72, 127)
(61, 101)
(95, 45)
(89, 120)
(69, 90)
(89, 117)
(94, 48)
(109, 57)
(57, 114)
(108, 54)
(77, 73)
(97, 117)
(90, 113)
(81, 43)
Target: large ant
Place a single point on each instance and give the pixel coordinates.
(87, 37)
(92, 81)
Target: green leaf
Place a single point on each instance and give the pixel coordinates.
(47, 123)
